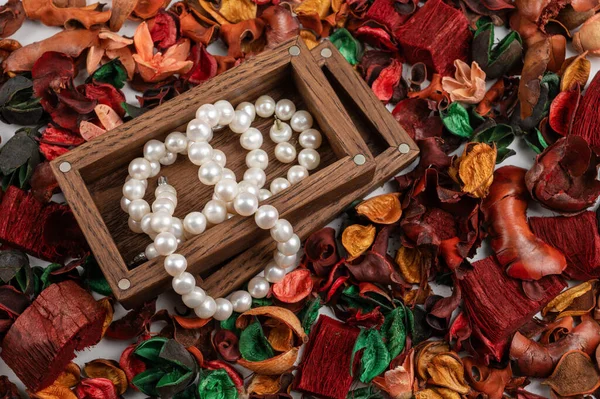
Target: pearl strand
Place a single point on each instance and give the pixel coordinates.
(229, 196)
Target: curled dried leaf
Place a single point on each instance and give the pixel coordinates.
(446, 370)
(427, 352)
(474, 169)
(49, 14)
(274, 366)
(281, 337)
(588, 37)
(413, 262)
(382, 209)
(109, 369)
(574, 375)
(357, 239)
(280, 314)
(576, 70)
(106, 304)
(566, 298)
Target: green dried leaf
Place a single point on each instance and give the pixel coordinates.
(11, 261)
(502, 136)
(17, 104)
(499, 59)
(94, 277)
(146, 381)
(19, 157)
(348, 46)
(457, 121)
(216, 384)
(253, 344)
(260, 302)
(45, 277)
(149, 350)
(536, 141)
(132, 110)
(309, 314)
(369, 392)
(397, 325)
(375, 358)
(113, 73)
(229, 324)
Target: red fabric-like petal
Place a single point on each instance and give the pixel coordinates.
(131, 364)
(562, 111)
(226, 343)
(104, 93)
(205, 65)
(295, 286)
(96, 388)
(165, 29)
(388, 79)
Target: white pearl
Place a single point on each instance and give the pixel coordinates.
(138, 209)
(206, 309)
(200, 153)
(125, 204)
(215, 211)
(296, 174)
(310, 138)
(224, 309)
(241, 122)
(265, 106)
(167, 195)
(230, 210)
(241, 301)
(284, 261)
(258, 287)
(247, 108)
(255, 176)
(290, 247)
(154, 150)
(165, 243)
(257, 159)
(145, 223)
(219, 157)
(184, 283)
(168, 159)
(194, 298)
(134, 189)
(210, 173)
(144, 181)
(140, 168)
(285, 109)
(282, 231)
(245, 204)
(309, 158)
(175, 264)
(248, 187)
(135, 226)
(161, 221)
(285, 152)
(151, 252)
(279, 184)
(176, 142)
(164, 188)
(163, 204)
(280, 132)
(199, 131)
(226, 190)
(264, 194)
(226, 112)
(208, 113)
(155, 165)
(301, 121)
(251, 139)
(177, 227)
(274, 274)
(266, 216)
(228, 174)
(194, 223)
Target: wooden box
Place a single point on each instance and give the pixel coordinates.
(92, 175)
(392, 147)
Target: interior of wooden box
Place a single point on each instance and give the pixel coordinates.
(183, 175)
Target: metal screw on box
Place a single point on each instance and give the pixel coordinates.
(404, 148)
(124, 284)
(326, 53)
(294, 51)
(64, 167)
(360, 159)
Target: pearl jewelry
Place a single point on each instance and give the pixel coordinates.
(255, 176)
(296, 174)
(155, 165)
(199, 131)
(210, 173)
(206, 309)
(258, 287)
(245, 204)
(150, 251)
(280, 132)
(175, 264)
(251, 139)
(301, 121)
(289, 247)
(279, 184)
(135, 226)
(200, 153)
(310, 138)
(309, 158)
(285, 109)
(285, 152)
(164, 188)
(274, 274)
(226, 112)
(168, 159)
(247, 108)
(194, 298)
(248, 187)
(163, 204)
(165, 243)
(264, 194)
(194, 223)
(241, 301)
(161, 221)
(154, 150)
(241, 122)
(177, 228)
(140, 169)
(125, 204)
(284, 261)
(184, 283)
(266, 216)
(220, 158)
(224, 309)
(208, 113)
(215, 211)
(257, 159)
(138, 209)
(226, 190)
(282, 231)
(176, 142)
(145, 223)
(265, 106)
(228, 174)
(134, 189)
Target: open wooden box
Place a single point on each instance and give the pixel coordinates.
(388, 142)
(92, 175)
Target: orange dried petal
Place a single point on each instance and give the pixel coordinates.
(54, 391)
(576, 71)
(446, 370)
(383, 209)
(474, 169)
(274, 312)
(274, 366)
(109, 369)
(191, 323)
(294, 287)
(281, 337)
(70, 376)
(426, 353)
(264, 385)
(106, 304)
(357, 239)
(310, 39)
(412, 262)
(146, 9)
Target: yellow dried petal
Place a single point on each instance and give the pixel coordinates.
(70, 376)
(230, 11)
(309, 7)
(566, 298)
(310, 39)
(106, 304)
(474, 169)
(412, 261)
(446, 370)
(428, 352)
(54, 391)
(446, 393)
(281, 337)
(383, 209)
(417, 296)
(428, 394)
(576, 70)
(357, 239)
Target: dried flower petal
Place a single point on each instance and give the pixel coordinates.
(576, 72)
(474, 170)
(49, 14)
(563, 300)
(426, 353)
(446, 370)
(536, 62)
(468, 84)
(12, 16)
(109, 369)
(264, 385)
(357, 239)
(413, 263)
(294, 287)
(121, 10)
(382, 209)
(575, 374)
(70, 376)
(587, 38)
(563, 109)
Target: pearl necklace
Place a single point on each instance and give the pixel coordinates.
(229, 198)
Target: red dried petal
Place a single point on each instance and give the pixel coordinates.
(280, 25)
(388, 79)
(62, 137)
(205, 65)
(96, 388)
(376, 37)
(321, 251)
(384, 12)
(133, 323)
(165, 29)
(414, 115)
(52, 72)
(43, 182)
(131, 364)
(107, 94)
(226, 343)
(52, 152)
(296, 286)
(562, 111)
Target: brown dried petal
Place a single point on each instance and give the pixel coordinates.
(446, 370)
(588, 37)
(575, 374)
(383, 209)
(576, 71)
(121, 10)
(12, 16)
(474, 169)
(357, 239)
(109, 369)
(281, 337)
(413, 262)
(49, 14)
(566, 298)
(536, 62)
(558, 49)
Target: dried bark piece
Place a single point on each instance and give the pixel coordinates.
(382, 209)
(72, 17)
(63, 318)
(574, 375)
